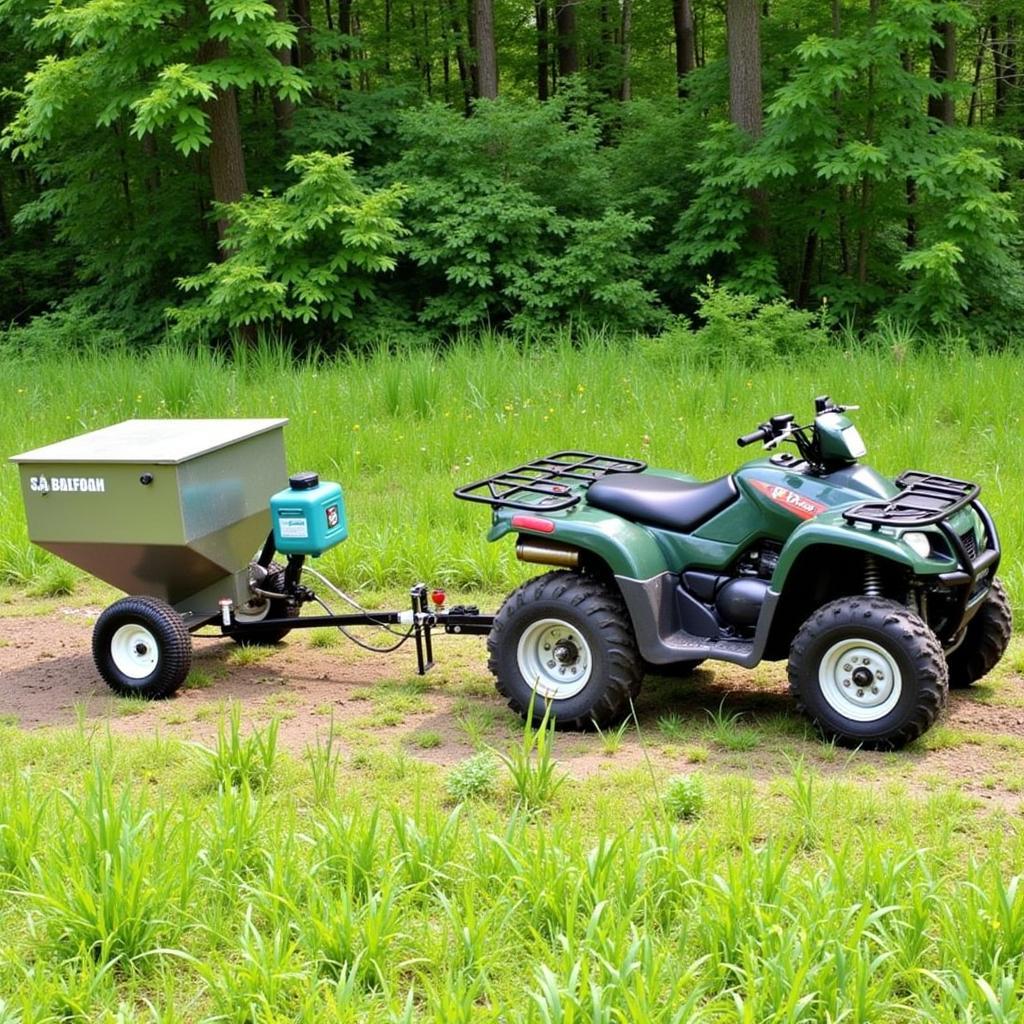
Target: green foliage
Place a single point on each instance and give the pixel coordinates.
(853, 192)
(239, 761)
(531, 763)
(739, 328)
(685, 797)
(311, 253)
(474, 778)
(512, 219)
(108, 890)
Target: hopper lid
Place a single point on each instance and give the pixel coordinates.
(166, 442)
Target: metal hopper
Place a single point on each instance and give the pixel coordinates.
(173, 509)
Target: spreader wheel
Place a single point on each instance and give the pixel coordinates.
(568, 638)
(142, 648)
(868, 672)
(251, 615)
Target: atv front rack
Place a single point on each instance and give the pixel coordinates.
(929, 500)
(553, 483)
(925, 500)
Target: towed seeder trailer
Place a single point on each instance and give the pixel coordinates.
(189, 518)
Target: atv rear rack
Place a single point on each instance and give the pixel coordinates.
(547, 483)
(925, 500)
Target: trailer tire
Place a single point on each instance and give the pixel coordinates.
(988, 635)
(588, 633)
(868, 672)
(141, 648)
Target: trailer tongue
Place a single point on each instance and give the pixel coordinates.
(171, 511)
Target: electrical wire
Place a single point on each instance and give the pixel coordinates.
(365, 646)
(355, 604)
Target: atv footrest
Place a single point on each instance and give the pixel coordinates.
(551, 484)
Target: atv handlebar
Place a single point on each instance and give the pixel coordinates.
(763, 433)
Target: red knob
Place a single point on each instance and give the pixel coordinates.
(438, 597)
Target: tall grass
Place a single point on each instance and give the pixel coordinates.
(819, 900)
(401, 431)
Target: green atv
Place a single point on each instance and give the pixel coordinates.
(882, 594)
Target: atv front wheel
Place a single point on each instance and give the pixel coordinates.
(567, 638)
(985, 642)
(868, 672)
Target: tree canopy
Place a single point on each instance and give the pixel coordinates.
(345, 169)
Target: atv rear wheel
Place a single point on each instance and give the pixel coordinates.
(569, 638)
(868, 672)
(985, 642)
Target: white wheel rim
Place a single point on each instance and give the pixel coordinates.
(860, 679)
(134, 651)
(252, 612)
(554, 658)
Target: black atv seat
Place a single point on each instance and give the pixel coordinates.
(661, 500)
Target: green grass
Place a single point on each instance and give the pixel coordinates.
(143, 881)
(152, 880)
(399, 432)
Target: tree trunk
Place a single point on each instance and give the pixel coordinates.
(979, 61)
(682, 11)
(486, 53)
(284, 110)
(807, 268)
(942, 72)
(304, 27)
(743, 41)
(910, 186)
(428, 61)
(743, 37)
(465, 80)
(864, 231)
(5, 224)
(474, 66)
(541, 9)
(565, 24)
(1004, 59)
(227, 161)
(626, 87)
(345, 30)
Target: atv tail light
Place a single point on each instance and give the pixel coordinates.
(534, 523)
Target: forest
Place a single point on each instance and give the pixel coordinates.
(342, 172)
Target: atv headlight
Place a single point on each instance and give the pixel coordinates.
(919, 543)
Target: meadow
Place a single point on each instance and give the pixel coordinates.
(729, 869)
(399, 431)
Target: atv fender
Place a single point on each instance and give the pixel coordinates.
(832, 530)
(627, 549)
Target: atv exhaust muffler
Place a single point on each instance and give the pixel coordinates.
(545, 552)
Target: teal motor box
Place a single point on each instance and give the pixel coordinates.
(308, 517)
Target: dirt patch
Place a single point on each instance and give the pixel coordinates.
(721, 718)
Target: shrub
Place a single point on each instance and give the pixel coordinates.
(513, 219)
(741, 328)
(476, 777)
(685, 797)
(309, 254)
